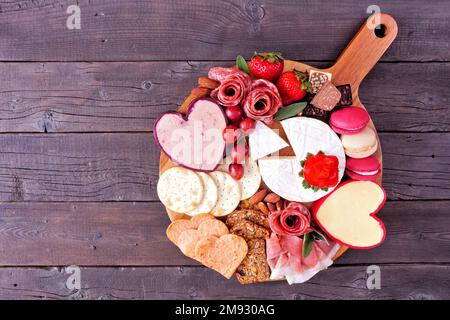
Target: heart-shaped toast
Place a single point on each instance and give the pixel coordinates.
(193, 140)
(222, 254)
(347, 214)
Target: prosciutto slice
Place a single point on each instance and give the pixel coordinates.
(263, 101)
(234, 86)
(294, 220)
(284, 256)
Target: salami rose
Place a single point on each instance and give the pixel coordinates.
(233, 88)
(263, 101)
(294, 220)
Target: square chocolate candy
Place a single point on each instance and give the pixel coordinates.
(327, 97)
(318, 79)
(316, 113)
(346, 95)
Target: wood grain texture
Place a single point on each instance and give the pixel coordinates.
(212, 30)
(133, 234)
(344, 282)
(124, 166)
(125, 97)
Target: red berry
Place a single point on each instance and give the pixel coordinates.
(267, 66)
(237, 153)
(247, 125)
(236, 170)
(234, 113)
(231, 133)
(292, 86)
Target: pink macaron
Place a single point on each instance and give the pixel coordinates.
(349, 120)
(363, 169)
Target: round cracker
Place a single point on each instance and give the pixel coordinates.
(187, 241)
(177, 227)
(212, 227)
(199, 218)
(179, 189)
(250, 181)
(229, 193)
(210, 197)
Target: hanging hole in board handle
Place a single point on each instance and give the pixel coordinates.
(380, 31)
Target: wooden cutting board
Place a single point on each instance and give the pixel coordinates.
(352, 66)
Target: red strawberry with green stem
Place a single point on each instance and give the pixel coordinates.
(292, 86)
(267, 65)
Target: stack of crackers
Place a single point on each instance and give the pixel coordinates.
(236, 246)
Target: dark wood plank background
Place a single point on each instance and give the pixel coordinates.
(78, 165)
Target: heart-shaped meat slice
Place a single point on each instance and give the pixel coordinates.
(193, 140)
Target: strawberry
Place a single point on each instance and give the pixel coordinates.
(292, 86)
(266, 66)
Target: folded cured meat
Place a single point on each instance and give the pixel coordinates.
(284, 255)
(220, 73)
(234, 86)
(263, 101)
(294, 220)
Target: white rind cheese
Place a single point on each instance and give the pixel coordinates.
(264, 141)
(306, 135)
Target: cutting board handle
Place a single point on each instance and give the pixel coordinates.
(364, 51)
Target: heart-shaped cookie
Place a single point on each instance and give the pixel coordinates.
(193, 140)
(222, 254)
(189, 238)
(347, 214)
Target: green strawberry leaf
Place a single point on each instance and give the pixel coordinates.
(307, 244)
(290, 111)
(302, 163)
(242, 64)
(306, 85)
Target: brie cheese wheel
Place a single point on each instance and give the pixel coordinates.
(281, 174)
(264, 141)
(312, 135)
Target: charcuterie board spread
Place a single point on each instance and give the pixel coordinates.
(271, 168)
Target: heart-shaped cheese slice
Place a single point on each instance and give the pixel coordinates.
(222, 254)
(193, 140)
(347, 214)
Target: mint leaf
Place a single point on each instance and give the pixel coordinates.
(320, 236)
(290, 111)
(307, 245)
(242, 64)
